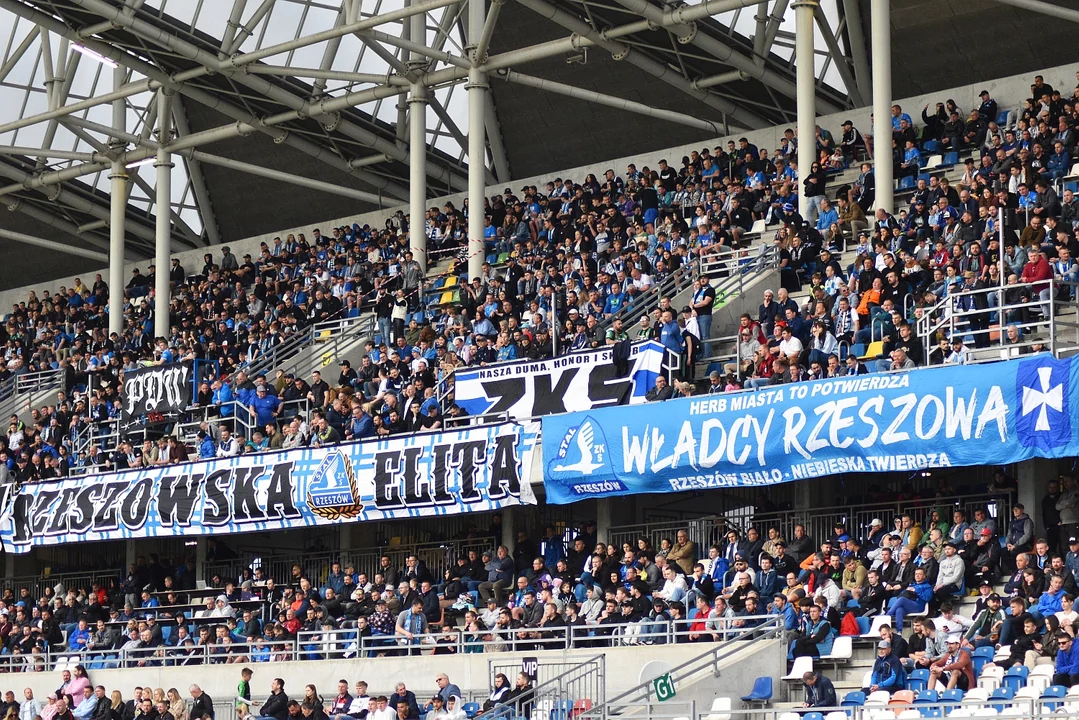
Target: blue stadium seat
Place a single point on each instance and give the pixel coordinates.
(813, 716)
(1054, 691)
(1002, 118)
(855, 698)
(918, 680)
(761, 692)
(952, 698)
(932, 146)
(472, 709)
(1016, 677)
(863, 622)
(906, 183)
(1001, 693)
(927, 696)
(980, 657)
(857, 349)
(950, 159)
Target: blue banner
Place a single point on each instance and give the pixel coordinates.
(991, 414)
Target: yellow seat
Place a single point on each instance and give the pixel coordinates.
(875, 350)
(323, 336)
(447, 298)
(451, 281)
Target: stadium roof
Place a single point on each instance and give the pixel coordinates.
(732, 68)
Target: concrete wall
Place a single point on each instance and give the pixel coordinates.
(469, 672)
(1009, 93)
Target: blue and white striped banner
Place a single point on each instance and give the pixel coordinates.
(461, 471)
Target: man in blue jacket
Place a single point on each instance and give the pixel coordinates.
(1067, 665)
(888, 673)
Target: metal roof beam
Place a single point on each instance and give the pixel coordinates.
(680, 22)
(52, 245)
(301, 108)
(842, 64)
(1044, 8)
(738, 116)
(157, 78)
(211, 233)
(17, 55)
(608, 101)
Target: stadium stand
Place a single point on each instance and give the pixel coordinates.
(989, 602)
(599, 244)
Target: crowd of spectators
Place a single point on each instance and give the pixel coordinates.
(945, 242)
(76, 698)
(562, 260)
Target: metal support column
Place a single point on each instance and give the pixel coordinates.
(881, 32)
(118, 212)
(163, 244)
(804, 61)
(477, 146)
(856, 46)
(417, 173)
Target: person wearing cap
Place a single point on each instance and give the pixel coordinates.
(984, 631)
(950, 572)
(887, 673)
(955, 669)
(852, 141)
(983, 559)
(877, 534)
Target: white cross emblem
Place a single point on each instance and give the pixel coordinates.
(1039, 400)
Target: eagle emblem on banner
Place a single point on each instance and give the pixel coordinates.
(332, 492)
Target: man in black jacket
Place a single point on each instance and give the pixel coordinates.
(102, 705)
(202, 708)
(819, 691)
(276, 706)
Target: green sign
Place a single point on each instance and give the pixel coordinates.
(664, 687)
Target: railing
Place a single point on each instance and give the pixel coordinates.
(556, 682)
(1017, 707)
(1027, 316)
(437, 556)
(638, 700)
(703, 531)
(330, 332)
(818, 523)
(37, 584)
(646, 301)
(30, 382)
(584, 679)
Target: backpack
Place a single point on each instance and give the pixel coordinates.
(849, 626)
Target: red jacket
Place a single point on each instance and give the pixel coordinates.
(1036, 271)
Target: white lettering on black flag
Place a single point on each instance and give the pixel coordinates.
(155, 395)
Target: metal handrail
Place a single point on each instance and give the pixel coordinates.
(437, 555)
(818, 523)
(678, 280)
(706, 661)
(945, 314)
(292, 348)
